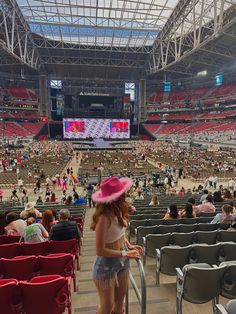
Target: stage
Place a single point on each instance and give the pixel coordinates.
(101, 144)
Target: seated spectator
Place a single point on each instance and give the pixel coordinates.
(2, 223)
(69, 200)
(204, 196)
(64, 229)
(39, 201)
(187, 212)
(139, 197)
(172, 212)
(192, 201)
(181, 192)
(226, 216)
(227, 195)
(206, 207)
(48, 220)
(34, 232)
(154, 201)
(14, 225)
(217, 197)
(79, 200)
(30, 207)
(53, 198)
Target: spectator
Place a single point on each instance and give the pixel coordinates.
(30, 207)
(187, 212)
(14, 225)
(2, 223)
(181, 192)
(1, 194)
(217, 197)
(192, 201)
(139, 197)
(206, 207)
(226, 216)
(53, 198)
(69, 200)
(204, 196)
(79, 200)
(231, 184)
(64, 229)
(172, 212)
(48, 220)
(89, 192)
(154, 201)
(34, 232)
(39, 201)
(227, 195)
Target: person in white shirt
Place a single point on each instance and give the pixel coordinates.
(215, 180)
(231, 184)
(210, 181)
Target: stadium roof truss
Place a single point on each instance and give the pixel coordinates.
(138, 37)
(192, 26)
(16, 40)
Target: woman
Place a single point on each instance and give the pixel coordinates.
(226, 216)
(111, 266)
(53, 198)
(15, 226)
(172, 212)
(187, 212)
(227, 195)
(154, 201)
(48, 220)
(34, 232)
(206, 207)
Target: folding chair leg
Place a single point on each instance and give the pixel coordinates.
(178, 305)
(157, 277)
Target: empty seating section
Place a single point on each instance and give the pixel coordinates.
(22, 93)
(24, 129)
(23, 297)
(168, 258)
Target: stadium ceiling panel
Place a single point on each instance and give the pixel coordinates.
(113, 23)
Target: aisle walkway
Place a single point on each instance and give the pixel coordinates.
(86, 300)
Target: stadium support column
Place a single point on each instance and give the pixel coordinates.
(142, 102)
(44, 107)
(43, 96)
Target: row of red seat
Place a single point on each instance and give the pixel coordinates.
(43, 294)
(23, 129)
(27, 267)
(41, 248)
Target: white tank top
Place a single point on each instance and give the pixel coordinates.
(113, 231)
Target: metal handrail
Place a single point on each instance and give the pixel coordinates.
(141, 295)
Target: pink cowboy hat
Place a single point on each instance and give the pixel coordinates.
(111, 189)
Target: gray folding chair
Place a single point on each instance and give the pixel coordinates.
(186, 228)
(227, 252)
(169, 258)
(228, 282)
(204, 253)
(229, 309)
(198, 284)
(181, 239)
(167, 228)
(189, 221)
(153, 242)
(226, 236)
(208, 237)
(206, 227)
(142, 231)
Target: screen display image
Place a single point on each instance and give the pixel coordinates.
(74, 126)
(96, 128)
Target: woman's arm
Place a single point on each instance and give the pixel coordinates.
(101, 250)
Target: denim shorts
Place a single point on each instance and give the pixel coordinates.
(106, 269)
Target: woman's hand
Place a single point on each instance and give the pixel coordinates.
(133, 254)
(136, 247)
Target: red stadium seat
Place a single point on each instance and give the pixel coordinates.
(46, 294)
(40, 248)
(8, 296)
(20, 267)
(9, 250)
(58, 264)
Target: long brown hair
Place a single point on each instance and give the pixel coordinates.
(118, 208)
(47, 219)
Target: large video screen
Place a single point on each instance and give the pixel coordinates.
(96, 128)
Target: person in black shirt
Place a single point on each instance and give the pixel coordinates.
(65, 229)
